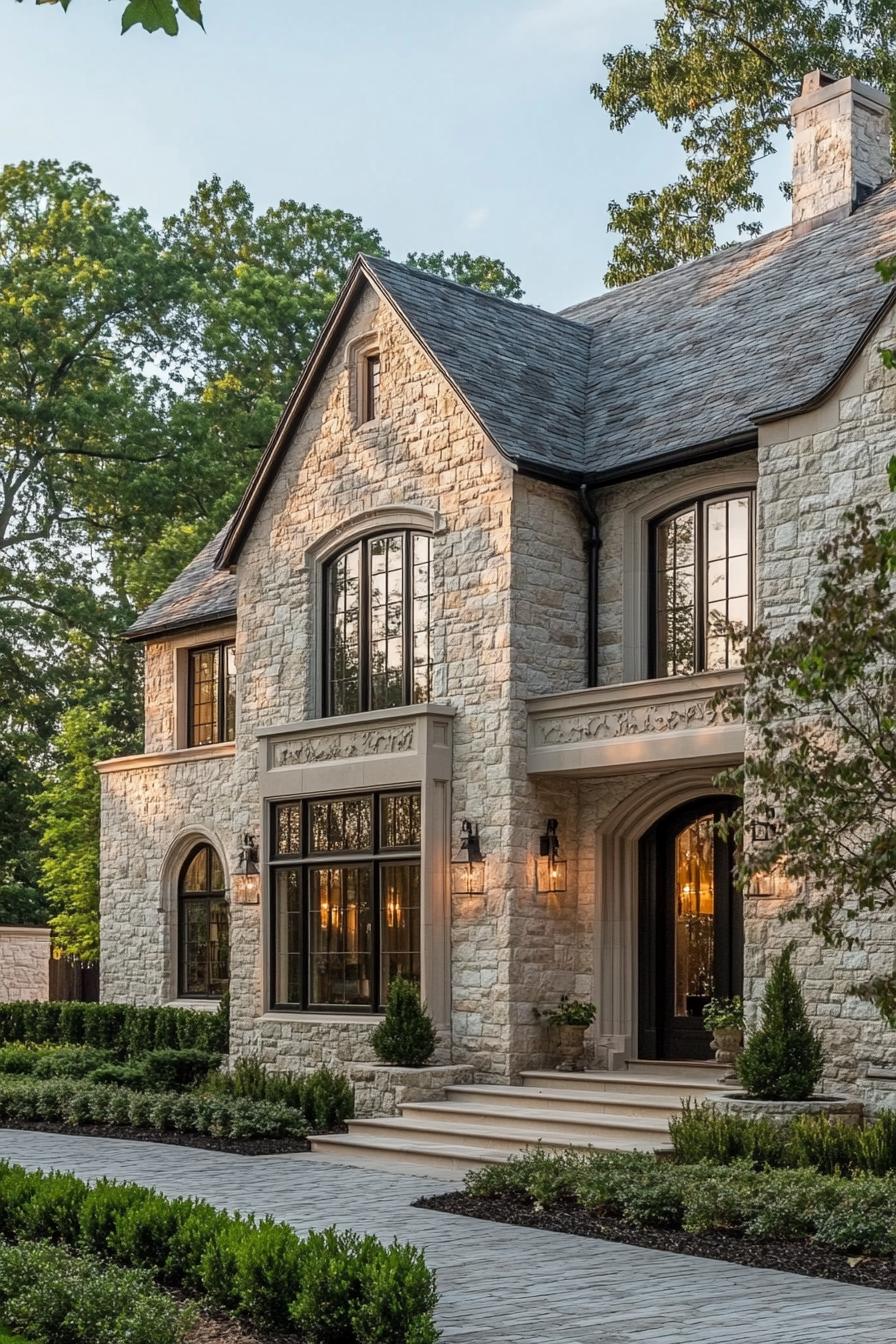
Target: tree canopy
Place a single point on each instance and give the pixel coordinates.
(153, 15)
(721, 76)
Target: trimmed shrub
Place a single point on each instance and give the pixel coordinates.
(406, 1036)
(323, 1097)
(123, 1029)
(782, 1060)
(51, 1294)
(25, 1100)
(334, 1285)
(702, 1133)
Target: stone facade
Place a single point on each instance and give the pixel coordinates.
(24, 963)
(382, 1089)
(841, 146)
(508, 631)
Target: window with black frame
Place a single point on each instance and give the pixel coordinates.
(204, 930)
(345, 895)
(211, 695)
(703, 585)
(377, 636)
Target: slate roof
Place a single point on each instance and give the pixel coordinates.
(200, 595)
(682, 364)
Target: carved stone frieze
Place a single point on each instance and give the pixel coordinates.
(566, 729)
(344, 745)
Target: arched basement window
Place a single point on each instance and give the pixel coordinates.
(204, 941)
(377, 628)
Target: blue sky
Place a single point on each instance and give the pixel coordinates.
(467, 126)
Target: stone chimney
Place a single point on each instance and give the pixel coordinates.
(841, 147)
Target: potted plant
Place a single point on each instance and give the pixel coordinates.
(783, 1062)
(725, 1019)
(572, 1017)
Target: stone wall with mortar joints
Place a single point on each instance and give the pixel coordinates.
(548, 639)
(144, 811)
(158, 697)
(812, 469)
(24, 963)
(424, 450)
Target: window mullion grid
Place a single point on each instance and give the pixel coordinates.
(700, 608)
(364, 650)
(407, 644)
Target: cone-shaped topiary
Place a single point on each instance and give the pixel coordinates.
(783, 1059)
(407, 1035)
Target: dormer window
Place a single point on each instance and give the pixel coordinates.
(371, 397)
(211, 695)
(703, 585)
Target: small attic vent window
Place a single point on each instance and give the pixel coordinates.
(371, 392)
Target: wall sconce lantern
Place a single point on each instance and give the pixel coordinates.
(246, 882)
(764, 829)
(550, 869)
(468, 872)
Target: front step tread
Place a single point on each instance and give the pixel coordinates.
(649, 1081)
(516, 1134)
(556, 1094)
(531, 1115)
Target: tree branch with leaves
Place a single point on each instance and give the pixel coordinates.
(153, 15)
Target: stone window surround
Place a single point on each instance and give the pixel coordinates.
(637, 524)
(169, 906)
(408, 747)
(179, 647)
(357, 353)
(335, 539)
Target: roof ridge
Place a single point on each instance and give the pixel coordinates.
(514, 305)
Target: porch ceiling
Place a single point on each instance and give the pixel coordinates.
(638, 725)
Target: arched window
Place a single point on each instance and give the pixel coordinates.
(377, 636)
(204, 942)
(702, 573)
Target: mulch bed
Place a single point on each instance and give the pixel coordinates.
(242, 1147)
(214, 1329)
(796, 1257)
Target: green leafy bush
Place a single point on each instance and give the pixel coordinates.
(122, 1029)
(406, 1036)
(74, 1102)
(52, 1295)
(702, 1133)
(334, 1285)
(323, 1097)
(355, 1289)
(855, 1215)
(782, 1060)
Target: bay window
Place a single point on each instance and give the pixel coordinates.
(346, 899)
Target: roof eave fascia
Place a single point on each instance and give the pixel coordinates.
(767, 417)
(166, 628)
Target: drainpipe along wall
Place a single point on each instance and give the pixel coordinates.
(592, 550)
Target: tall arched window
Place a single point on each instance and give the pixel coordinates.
(204, 942)
(703, 585)
(377, 636)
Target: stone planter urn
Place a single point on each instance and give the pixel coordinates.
(727, 1043)
(572, 1048)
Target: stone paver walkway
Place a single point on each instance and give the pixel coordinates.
(498, 1284)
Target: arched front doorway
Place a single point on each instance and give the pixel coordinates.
(690, 929)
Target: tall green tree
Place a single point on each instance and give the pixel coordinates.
(153, 15)
(721, 77)
(819, 772)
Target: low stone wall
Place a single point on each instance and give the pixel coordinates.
(24, 963)
(842, 1109)
(382, 1089)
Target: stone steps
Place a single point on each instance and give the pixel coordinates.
(476, 1126)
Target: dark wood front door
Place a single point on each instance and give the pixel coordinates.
(690, 934)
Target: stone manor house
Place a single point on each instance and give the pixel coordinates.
(481, 591)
